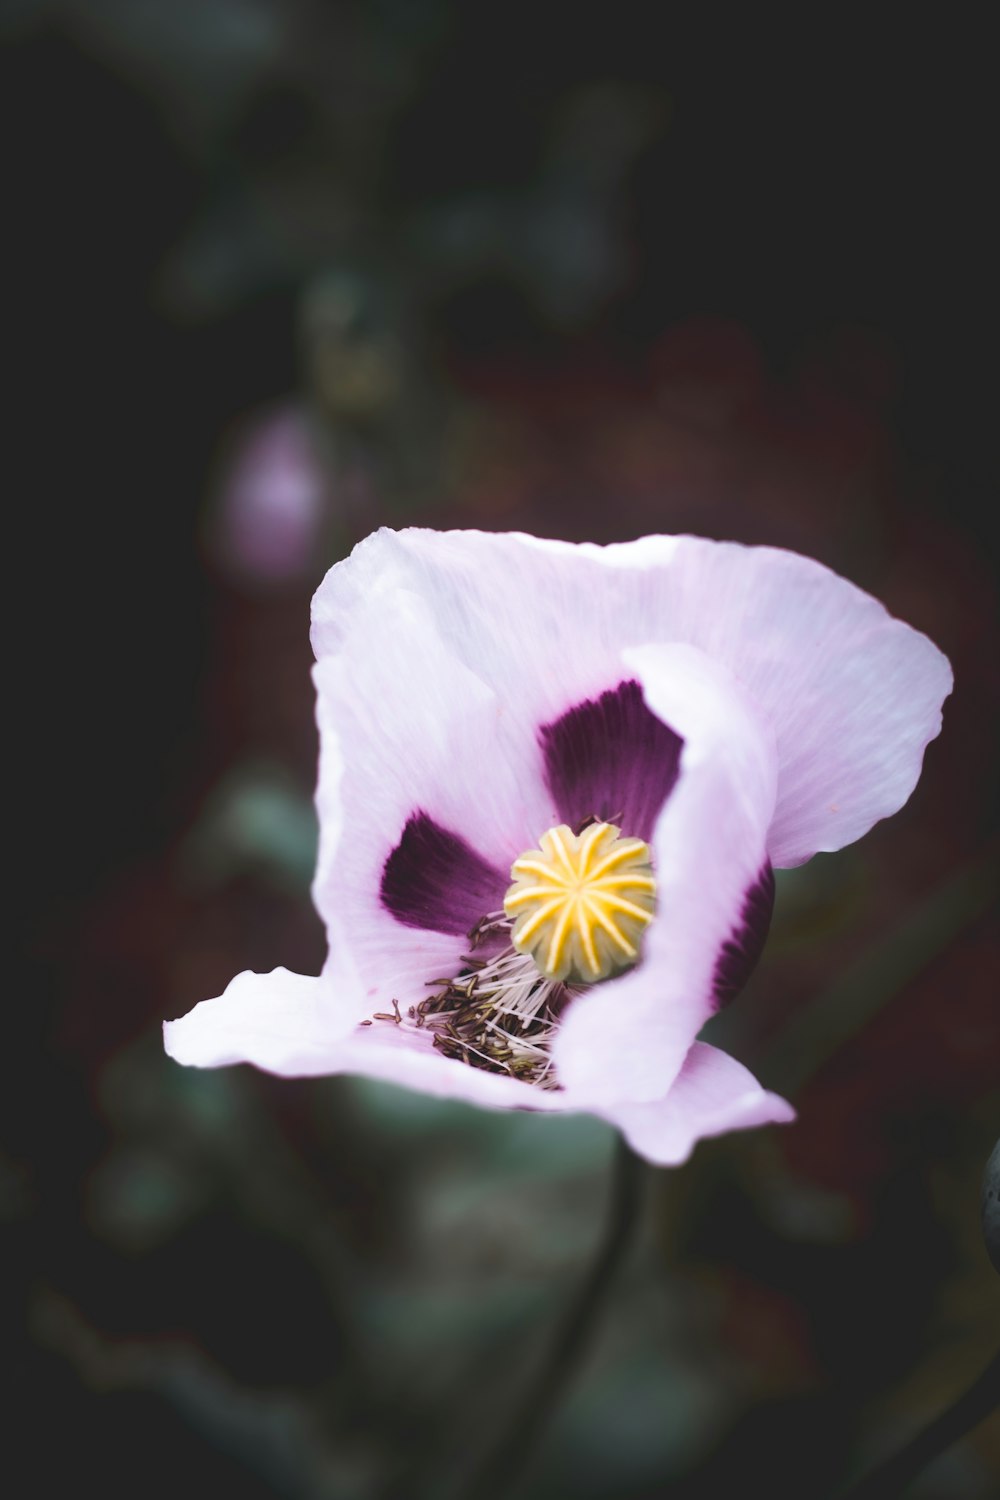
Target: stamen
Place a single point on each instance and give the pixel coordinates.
(574, 915)
(581, 901)
(498, 1014)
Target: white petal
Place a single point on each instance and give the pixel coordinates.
(853, 696)
(405, 727)
(712, 1094)
(281, 1022)
(628, 1038)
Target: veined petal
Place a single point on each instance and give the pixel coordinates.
(399, 1055)
(414, 751)
(743, 947)
(280, 1022)
(628, 1038)
(611, 758)
(711, 1095)
(853, 696)
(433, 879)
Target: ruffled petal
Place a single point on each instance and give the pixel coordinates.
(853, 695)
(609, 758)
(535, 622)
(628, 1038)
(280, 1022)
(410, 738)
(397, 1054)
(742, 950)
(434, 880)
(711, 1095)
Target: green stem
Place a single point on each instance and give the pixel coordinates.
(509, 1455)
(891, 1477)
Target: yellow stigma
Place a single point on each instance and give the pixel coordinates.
(580, 902)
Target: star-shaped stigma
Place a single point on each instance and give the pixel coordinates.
(580, 902)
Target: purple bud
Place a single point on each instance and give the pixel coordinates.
(271, 508)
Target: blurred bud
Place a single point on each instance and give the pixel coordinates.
(991, 1206)
(271, 506)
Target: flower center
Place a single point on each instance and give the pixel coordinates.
(497, 1013)
(581, 902)
(574, 915)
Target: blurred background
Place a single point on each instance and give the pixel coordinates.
(279, 272)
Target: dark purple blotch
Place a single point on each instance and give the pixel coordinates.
(435, 880)
(740, 952)
(611, 758)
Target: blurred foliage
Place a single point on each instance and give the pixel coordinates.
(285, 271)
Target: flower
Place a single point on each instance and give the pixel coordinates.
(554, 782)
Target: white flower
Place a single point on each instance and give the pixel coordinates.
(498, 712)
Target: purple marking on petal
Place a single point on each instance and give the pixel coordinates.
(435, 880)
(740, 952)
(611, 758)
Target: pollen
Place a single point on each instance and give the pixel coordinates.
(581, 902)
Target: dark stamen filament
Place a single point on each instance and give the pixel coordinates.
(497, 1014)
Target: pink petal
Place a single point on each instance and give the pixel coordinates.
(628, 1038)
(433, 879)
(852, 695)
(281, 1022)
(712, 1094)
(278, 1022)
(400, 1055)
(610, 757)
(537, 622)
(406, 728)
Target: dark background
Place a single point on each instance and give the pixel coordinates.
(587, 274)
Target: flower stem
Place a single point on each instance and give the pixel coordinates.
(511, 1452)
(891, 1477)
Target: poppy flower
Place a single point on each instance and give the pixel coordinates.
(555, 781)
